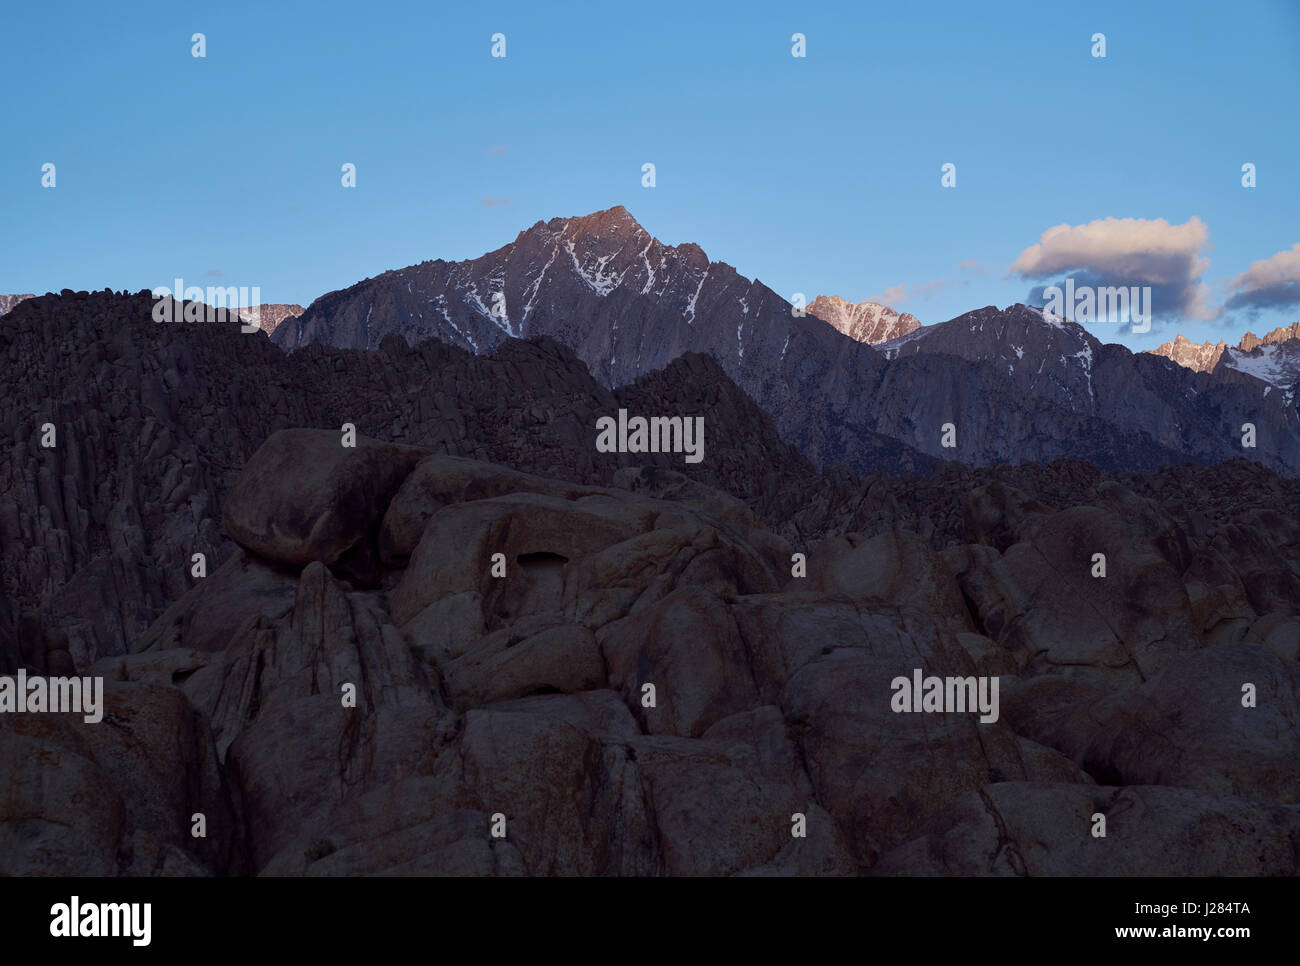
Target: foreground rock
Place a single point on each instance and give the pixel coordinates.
(309, 495)
(407, 652)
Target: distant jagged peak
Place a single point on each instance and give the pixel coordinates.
(1204, 356)
(867, 321)
(270, 316)
(1199, 357)
(1279, 335)
(7, 302)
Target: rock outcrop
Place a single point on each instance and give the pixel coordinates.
(638, 679)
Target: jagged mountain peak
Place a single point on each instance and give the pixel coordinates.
(608, 223)
(7, 302)
(1279, 335)
(867, 321)
(1205, 356)
(571, 278)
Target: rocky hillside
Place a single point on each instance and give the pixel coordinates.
(1131, 411)
(1285, 333)
(641, 683)
(401, 645)
(153, 423)
(1205, 357)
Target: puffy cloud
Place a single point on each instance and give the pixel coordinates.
(1272, 282)
(1126, 251)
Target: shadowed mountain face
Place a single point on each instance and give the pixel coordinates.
(1014, 384)
(481, 691)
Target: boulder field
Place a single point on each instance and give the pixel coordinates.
(416, 663)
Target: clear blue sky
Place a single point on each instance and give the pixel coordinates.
(818, 175)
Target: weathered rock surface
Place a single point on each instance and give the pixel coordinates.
(638, 685)
(315, 495)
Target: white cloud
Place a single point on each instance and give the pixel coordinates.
(1127, 251)
(1268, 283)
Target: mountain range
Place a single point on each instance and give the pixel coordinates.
(1014, 383)
(1274, 359)
(1204, 356)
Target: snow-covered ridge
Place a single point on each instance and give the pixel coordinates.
(1276, 365)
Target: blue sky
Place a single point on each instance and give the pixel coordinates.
(818, 175)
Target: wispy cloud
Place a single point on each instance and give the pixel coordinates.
(891, 296)
(496, 202)
(902, 294)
